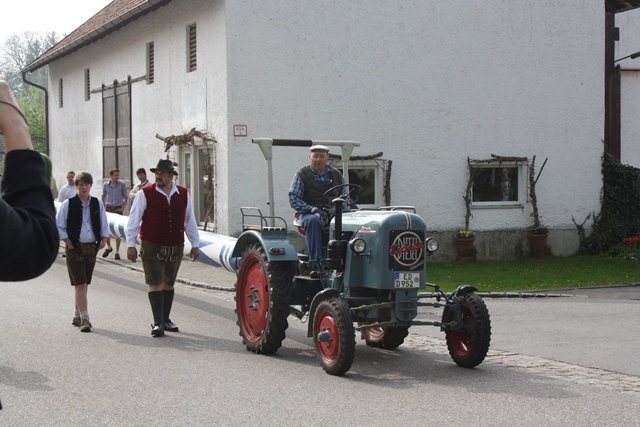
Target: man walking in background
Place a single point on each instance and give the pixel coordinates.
(114, 196)
(141, 173)
(68, 190)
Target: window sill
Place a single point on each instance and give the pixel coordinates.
(497, 205)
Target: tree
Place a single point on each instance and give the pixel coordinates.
(32, 105)
(16, 53)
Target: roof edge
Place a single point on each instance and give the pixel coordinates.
(98, 26)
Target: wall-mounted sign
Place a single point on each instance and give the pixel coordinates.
(239, 130)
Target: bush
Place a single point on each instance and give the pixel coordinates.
(618, 217)
(628, 249)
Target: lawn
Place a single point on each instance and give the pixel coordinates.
(535, 273)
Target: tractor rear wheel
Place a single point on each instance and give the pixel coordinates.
(261, 300)
(334, 336)
(387, 337)
(468, 347)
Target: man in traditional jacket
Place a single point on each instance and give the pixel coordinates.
(161, 214)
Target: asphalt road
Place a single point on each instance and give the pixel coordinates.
(553, 361)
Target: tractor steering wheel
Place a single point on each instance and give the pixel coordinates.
(352, 188)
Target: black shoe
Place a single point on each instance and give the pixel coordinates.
(157, 330)
(106, 252)
(170, 326)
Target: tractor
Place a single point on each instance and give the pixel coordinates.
(369, 281)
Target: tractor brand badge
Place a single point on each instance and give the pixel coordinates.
(406, 251)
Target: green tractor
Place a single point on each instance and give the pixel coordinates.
(368, 282)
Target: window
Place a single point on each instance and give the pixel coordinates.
(60, 93)
(192, 63)
(497, 183)
(368, 174)
(150, 64)
(87, 85)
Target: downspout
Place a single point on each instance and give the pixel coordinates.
(611, 90)
(46, 108)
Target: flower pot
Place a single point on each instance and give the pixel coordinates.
(465, 249)
(538, 243)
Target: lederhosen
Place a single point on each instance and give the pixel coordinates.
(82, 259)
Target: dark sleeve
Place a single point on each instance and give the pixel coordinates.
(28, 234)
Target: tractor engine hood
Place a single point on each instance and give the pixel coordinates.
(379, 221)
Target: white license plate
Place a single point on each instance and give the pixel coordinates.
(406, 279)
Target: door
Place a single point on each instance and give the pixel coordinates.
(198, 175)
(116, 131)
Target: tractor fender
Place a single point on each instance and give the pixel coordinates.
(317, 299)
(463, 290)
(276, 247)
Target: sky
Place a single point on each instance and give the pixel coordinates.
(61, 16)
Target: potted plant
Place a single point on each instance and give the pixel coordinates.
(465, 247)
(538, 233)
(465, 239)
(538, 236)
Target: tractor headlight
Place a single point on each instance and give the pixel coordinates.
(358, 246)
(432, 244)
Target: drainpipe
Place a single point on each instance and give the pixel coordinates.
(46, 109)
(611, 89)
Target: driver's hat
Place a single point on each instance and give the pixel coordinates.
(318, 147)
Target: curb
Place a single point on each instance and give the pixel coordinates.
(543, 293)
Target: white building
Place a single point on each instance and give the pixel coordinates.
(629, 44)
(428, 83)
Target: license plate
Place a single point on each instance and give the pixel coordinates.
(406, 279)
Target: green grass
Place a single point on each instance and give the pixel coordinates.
(535, 273)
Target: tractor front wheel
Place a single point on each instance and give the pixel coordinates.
(261, 300)
(469, 344)
(334, 336)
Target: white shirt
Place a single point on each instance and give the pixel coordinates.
(66, 192)
(140, 205)
(86, 230)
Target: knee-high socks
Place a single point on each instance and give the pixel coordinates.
(161, 302)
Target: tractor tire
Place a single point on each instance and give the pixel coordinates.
(261, 300)
(337, 345)
(468, 348)
(387, 337)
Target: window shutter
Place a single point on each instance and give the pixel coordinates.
(192, 61)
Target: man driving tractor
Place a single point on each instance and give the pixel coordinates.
(306, 196)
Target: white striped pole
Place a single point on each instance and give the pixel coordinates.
(215, 249)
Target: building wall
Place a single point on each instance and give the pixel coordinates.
(630, 116)
(173, 104)
(428, 83)
(629, 24)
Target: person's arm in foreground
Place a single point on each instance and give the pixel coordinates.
(29, 242)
